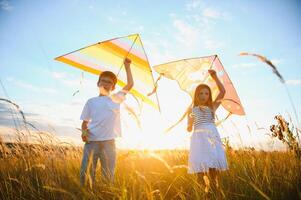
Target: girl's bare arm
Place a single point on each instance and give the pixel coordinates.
(221, 89)
(190, 120)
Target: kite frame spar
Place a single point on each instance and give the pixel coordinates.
(134, 92)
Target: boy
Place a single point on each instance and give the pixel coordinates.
(101, 125)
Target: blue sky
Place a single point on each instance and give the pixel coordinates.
(32, 33)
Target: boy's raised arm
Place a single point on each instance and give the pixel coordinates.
(130, 82)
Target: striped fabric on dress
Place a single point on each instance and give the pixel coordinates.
(202, 115)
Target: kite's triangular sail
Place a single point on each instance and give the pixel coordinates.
(189, 73)
(109, 55)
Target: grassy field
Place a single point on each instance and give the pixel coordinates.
(52, 172)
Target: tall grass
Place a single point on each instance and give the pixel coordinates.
(52, 172)
(49, 171)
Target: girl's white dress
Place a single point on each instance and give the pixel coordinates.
(206, 149)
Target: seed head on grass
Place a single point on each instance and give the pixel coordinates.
(284, 133)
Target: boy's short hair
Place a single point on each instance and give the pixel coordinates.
(109, 74)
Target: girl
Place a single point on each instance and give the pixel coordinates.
(206, 154)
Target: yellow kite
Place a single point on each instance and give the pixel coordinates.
(109, 55)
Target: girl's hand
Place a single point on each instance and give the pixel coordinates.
(212, 73)
(221, 88)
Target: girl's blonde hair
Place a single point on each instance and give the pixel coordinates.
(196, 99)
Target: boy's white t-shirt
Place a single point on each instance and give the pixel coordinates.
(103, 114)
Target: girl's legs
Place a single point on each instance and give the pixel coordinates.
(200, 177)
(203, 179)
(214, 177)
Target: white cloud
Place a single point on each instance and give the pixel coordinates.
(158, 50)
(193, 5)
(48, 113)
(10, 78)
(45, 117)
(214, 14)
(111, 19)
(49, 90)
(58, 75)
(211, 13)
(172, 15)
(245, 65)
(203, 13)
(195, 29)
(70, 83)
(78, 83)
(276, 61)
(213, 44)
(187, 34)
(31, 87)
(70, 80)
(293, 82)
(5, 5)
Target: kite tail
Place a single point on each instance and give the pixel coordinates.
(132, 112)
(155, 86)
(181, 119)
(140, 104)
(221, 121)
(186, 112)
(80, 83)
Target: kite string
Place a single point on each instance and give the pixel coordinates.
(219, 122)
(128, 108)
(80, 84)
(151, 76)
(127, 54)
(207, 76)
